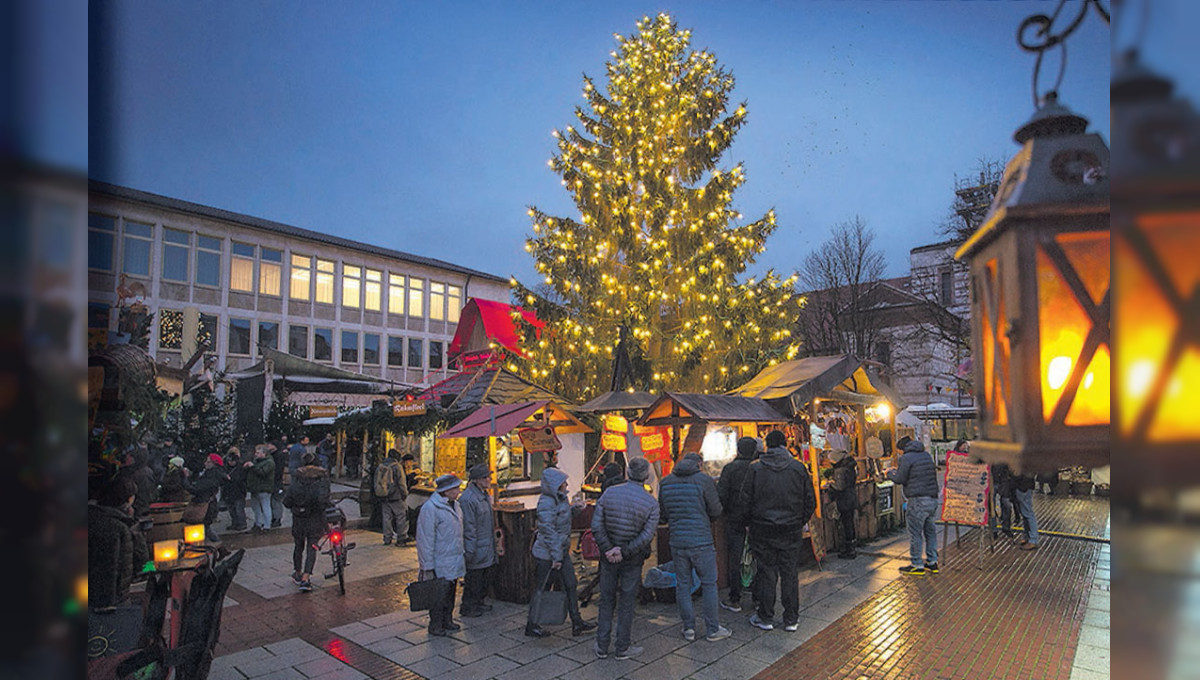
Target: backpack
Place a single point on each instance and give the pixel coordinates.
(303, 499)
(385, 480)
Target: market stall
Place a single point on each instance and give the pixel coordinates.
(621, 438)
(839, 403)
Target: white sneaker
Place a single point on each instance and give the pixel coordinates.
(731, 605)
(792, 627)
(721, 634)
(689, 634)
(759, 623)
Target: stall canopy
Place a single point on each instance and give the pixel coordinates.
(696, 408)
(791, 385)
(293, 369)
(619, 401)
(485, 385)
(484, 322)
(494, 420)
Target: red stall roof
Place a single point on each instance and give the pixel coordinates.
(484, 321)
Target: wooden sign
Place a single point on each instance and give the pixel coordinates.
(322, 411)
(654, 443)
(964, 497)
(541, 438)
(874, 447)
(613, 441)
(450, 456)
(408, 408)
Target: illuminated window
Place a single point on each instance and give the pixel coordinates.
(298, 341)
(325, 281)
(370, 349)
(395, 351)
(268, 334)
(395, 294)
(301, 283)
(453, 304)
(373, 290)
(170, 329)
(101, 234)
(416, 350)
(176, 245)
(136, 257)
(351, 286)
(208, 261)
(349, 347)
(437, 301)
(239, 336)
(416, 297)
(270, 271)
(323, 344)
(241, 268)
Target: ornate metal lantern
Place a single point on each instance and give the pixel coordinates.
(1040, 300)
(1156, 200)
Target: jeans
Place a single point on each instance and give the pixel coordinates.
(306, 534)
(395, 520)
(475, 588)
(704, 561)
(237, 509)
(921, 529)
(1025, 507)
(735, 544)
(618, 590)
(566, 579)
(260, 503)
(778, 566)
(277, 507)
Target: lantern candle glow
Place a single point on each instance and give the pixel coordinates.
(193, 534)
(165, 552)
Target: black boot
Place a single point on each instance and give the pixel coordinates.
(535, 631)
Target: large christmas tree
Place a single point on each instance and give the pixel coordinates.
(658, 254)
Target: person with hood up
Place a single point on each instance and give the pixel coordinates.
(778, 498)
(729, 488)
(307, 496)
(845, 494)
(552, 549)
(688, 502)
(479, 541)
(173, 487)
(440, 549)
(918, 474)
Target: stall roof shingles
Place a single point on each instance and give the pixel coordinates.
(179, 205)
(725, 408)
(473, 389)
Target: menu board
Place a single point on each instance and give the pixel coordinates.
(964, 496)
(450, 456)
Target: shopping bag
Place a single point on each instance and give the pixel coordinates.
(587, 546)
(749, 566)
(548, 607)
(423, 595)
(195, 513)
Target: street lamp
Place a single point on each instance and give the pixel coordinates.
(1039, 268)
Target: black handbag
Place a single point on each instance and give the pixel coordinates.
(548, 607)
(424, 595)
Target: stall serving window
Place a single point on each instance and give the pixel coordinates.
(511, 462)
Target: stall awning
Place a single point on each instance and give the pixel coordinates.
(495, 420)
(297, 370)
(802, 380)
(485, 321)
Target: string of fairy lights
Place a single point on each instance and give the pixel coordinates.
(657, 247)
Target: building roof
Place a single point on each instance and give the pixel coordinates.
(179, 205)
(713, 408)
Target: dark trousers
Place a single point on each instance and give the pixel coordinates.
(306, 534)
(475, 588)
(237, 510)
(618, 591)
(735, 544)
(442, 614)
(277, 507)
(848, 533)
(778, 566)
(566, 581)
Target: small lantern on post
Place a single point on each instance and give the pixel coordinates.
(1040, 280)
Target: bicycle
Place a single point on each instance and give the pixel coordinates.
(335, 538)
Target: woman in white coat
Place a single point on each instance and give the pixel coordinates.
(440, 549)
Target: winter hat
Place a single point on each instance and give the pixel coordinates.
(216, 459)
(746, 446)
(639, 469)
(837, 455)
(480, 471)
(447, 482)
(176, 461)
(775, 439)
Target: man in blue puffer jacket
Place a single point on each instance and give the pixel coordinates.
(552, 549)
(688, 502)
(918, 474)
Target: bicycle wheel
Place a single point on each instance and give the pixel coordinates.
(341, 571)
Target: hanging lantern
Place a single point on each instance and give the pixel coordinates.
(1039, 268)
(193, 534)
(1156, 200)
(165, 553)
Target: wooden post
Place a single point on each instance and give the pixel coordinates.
(675, 435)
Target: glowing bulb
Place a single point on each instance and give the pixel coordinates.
(1058, 371)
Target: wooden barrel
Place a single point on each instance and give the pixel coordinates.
(513, 580)
(168, 522)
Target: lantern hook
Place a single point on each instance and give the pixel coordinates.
(1036, 35)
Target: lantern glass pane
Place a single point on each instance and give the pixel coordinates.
(1093, 400)
(1063, 326)
(995, 374)
(1089, 256)
(1176, 417)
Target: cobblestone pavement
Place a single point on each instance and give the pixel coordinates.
(858, 620)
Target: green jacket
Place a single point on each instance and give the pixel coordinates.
(261, 477)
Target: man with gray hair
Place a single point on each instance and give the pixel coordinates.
(623, 525)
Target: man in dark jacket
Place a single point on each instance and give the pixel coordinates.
(729, 488)
(234, 490)
(279, 454)
(204, 490)
(392, 505)
(845, 494)
(918, 474)
(623, 525)
(479, 541)
(296, 455)
(306, 497)
(260, 482)
(779, 499)
(688, 502)
(1002, 485)
(113, 554)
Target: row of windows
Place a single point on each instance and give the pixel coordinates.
(400, 351)
(188, 256)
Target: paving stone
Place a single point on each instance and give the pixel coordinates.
(603, 669)
(433, 667)
(386, 645)
(535, 648)
(708, 652)
(732, 667)
(669, 667)
(474, 651)
(546, 667)
(487, 667)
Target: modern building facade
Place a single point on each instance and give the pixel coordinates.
(241, 283)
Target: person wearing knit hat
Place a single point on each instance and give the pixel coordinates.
(172, 488)
(479, 540)
(440, 549)
(205, 488)
(639, 469)
(176, 461)
(216, 459)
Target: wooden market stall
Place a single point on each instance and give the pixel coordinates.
(621, 438)
(840, 403)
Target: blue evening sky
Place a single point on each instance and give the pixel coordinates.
(426, 126)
